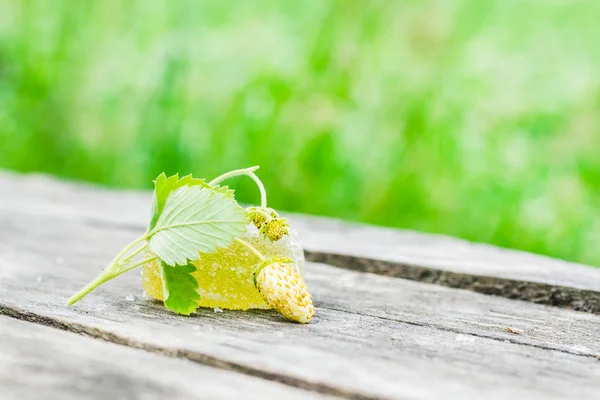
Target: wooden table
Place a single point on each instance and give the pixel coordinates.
(467, 320)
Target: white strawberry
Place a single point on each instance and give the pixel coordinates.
(283, 289)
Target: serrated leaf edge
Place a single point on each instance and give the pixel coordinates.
(187, 180)
(166, 293)
(186, 255)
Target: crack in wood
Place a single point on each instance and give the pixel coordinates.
(534, 292)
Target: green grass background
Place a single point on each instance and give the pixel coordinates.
(473, 118)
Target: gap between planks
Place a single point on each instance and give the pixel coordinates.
(534, 292)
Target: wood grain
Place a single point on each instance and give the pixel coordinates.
(41, 362)
(373, 337)
(410, 255)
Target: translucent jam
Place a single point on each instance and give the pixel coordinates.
(225, 277)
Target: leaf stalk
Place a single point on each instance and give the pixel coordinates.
(251, 248)
(115, 268)
(248, 172)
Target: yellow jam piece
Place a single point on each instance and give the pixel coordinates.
(225, 277)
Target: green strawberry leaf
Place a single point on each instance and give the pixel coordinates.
(223, 190)
(195, 219)
(179, 288)
(189, 216)
(164, 186)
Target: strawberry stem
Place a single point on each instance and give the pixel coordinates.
(136, 252)
(128, 267)
(115, 268)
(260, 211)
(248, 172)
(103, 277)
(251, 248)
(128, 248)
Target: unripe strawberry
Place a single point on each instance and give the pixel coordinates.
(283, 289)
(258, 220)
(258, 216)
(275, 229)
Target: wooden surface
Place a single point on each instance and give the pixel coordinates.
(37, 361)
(410, 255)
(373, 337)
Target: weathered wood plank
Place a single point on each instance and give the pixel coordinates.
(428, 258)
(401, 294)
(373, 336)
(459, 311)
(41, 362)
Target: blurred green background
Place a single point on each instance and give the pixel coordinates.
(478, 119)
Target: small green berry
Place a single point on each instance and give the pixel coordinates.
(258, 220)
(274, 229)
(257, 215)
